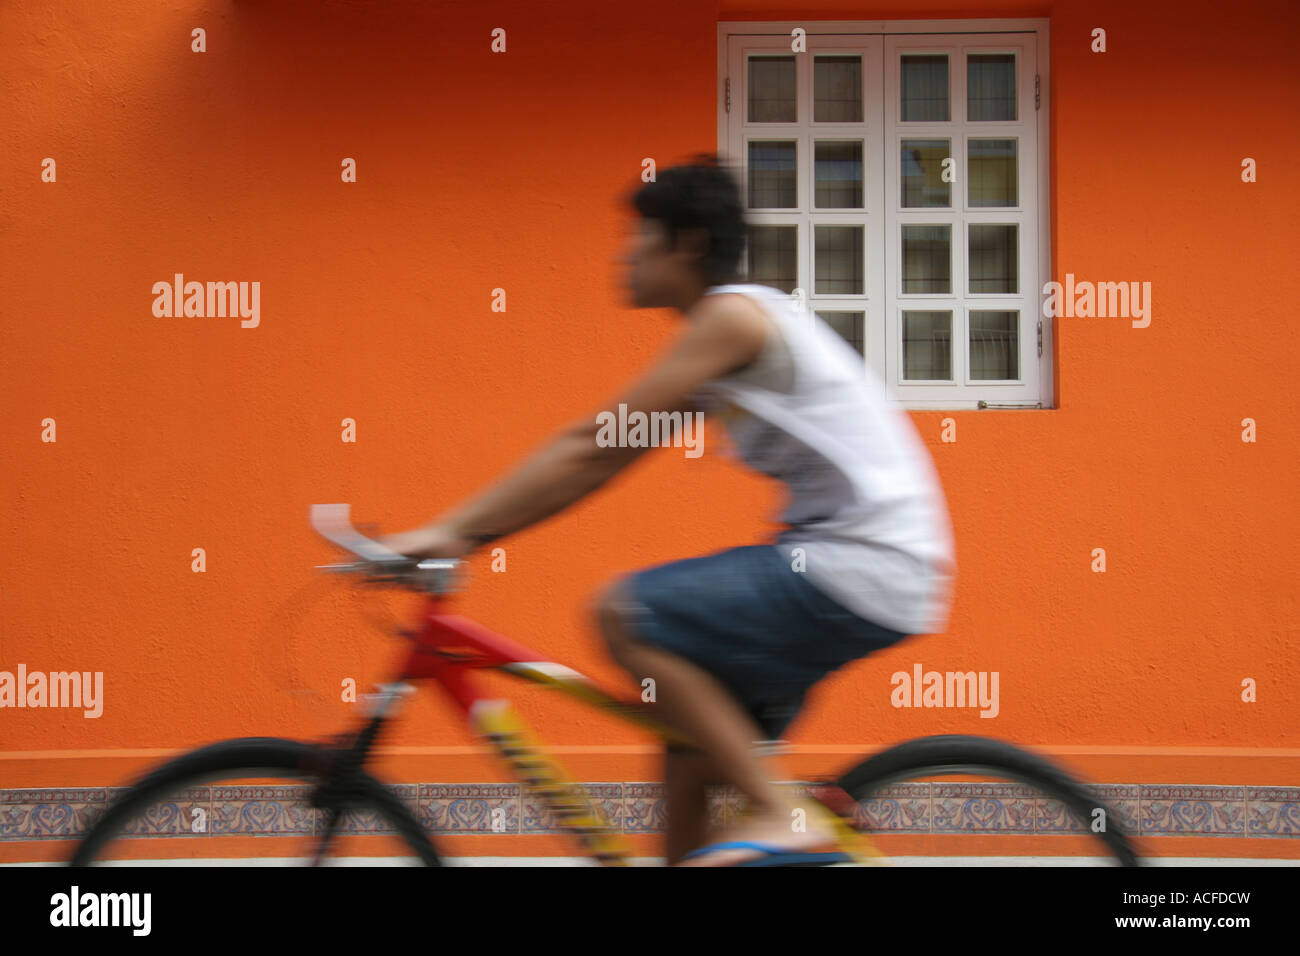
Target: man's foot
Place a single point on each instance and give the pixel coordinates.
(768, 830)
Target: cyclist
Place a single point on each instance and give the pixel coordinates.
(734, 640)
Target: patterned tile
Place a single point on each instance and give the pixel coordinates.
(1273, 811)
(369, 820)
(897, 807)
(734, 805)
(38, 814)
(260, 810)
(971, 807)
(1211, 811)
(643, 808)
(470, 807)
(608, 798)
(1123, 800)
(184, 813)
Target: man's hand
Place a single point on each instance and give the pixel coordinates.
(429, 541)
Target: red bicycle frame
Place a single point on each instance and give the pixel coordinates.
(448, 649)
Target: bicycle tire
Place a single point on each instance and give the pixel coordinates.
(961, 754)
(271, 757)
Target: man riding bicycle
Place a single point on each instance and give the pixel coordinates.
(735, 640)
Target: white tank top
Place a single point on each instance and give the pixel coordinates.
(866, 506)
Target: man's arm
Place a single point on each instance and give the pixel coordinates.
(725, 336)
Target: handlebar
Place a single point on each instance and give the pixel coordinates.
(378, 564)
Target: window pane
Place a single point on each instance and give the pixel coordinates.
(993, 259)
(848, 325)
(837, 172)
(772, 256)
(771, 89)
(994, 345)
(992, 172)
(927, 259)
(921, 172)
(925, 88)
(991, 87)
(838, 260)
(837, 89)
(771, 175)
(927, 345)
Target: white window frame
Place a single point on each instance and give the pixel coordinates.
(880, 43)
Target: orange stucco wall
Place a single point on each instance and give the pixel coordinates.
(479, 171)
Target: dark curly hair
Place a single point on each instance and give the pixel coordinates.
(701, 193)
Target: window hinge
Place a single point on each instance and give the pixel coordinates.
(728, 94)
(984, 404)
(1036, 91)
(1040, 338)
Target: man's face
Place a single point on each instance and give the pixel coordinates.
(654, 275)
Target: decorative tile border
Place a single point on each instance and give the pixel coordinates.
(1203, 811)
(987, 808)
(1272, 812)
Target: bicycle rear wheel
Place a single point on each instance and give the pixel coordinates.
(250, 801)
(1016, 799)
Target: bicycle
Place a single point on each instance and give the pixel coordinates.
(446, 649)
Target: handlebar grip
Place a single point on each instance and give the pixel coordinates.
(432, 575)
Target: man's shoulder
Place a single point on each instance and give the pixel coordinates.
(731, 301)
(734, 319)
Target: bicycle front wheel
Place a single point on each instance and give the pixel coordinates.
(1011, 807)
(255, 801)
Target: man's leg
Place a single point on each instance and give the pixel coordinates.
(687, 776)
(697, 703)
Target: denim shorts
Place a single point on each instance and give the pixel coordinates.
(758, 626)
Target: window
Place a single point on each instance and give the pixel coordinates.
(895, 181)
